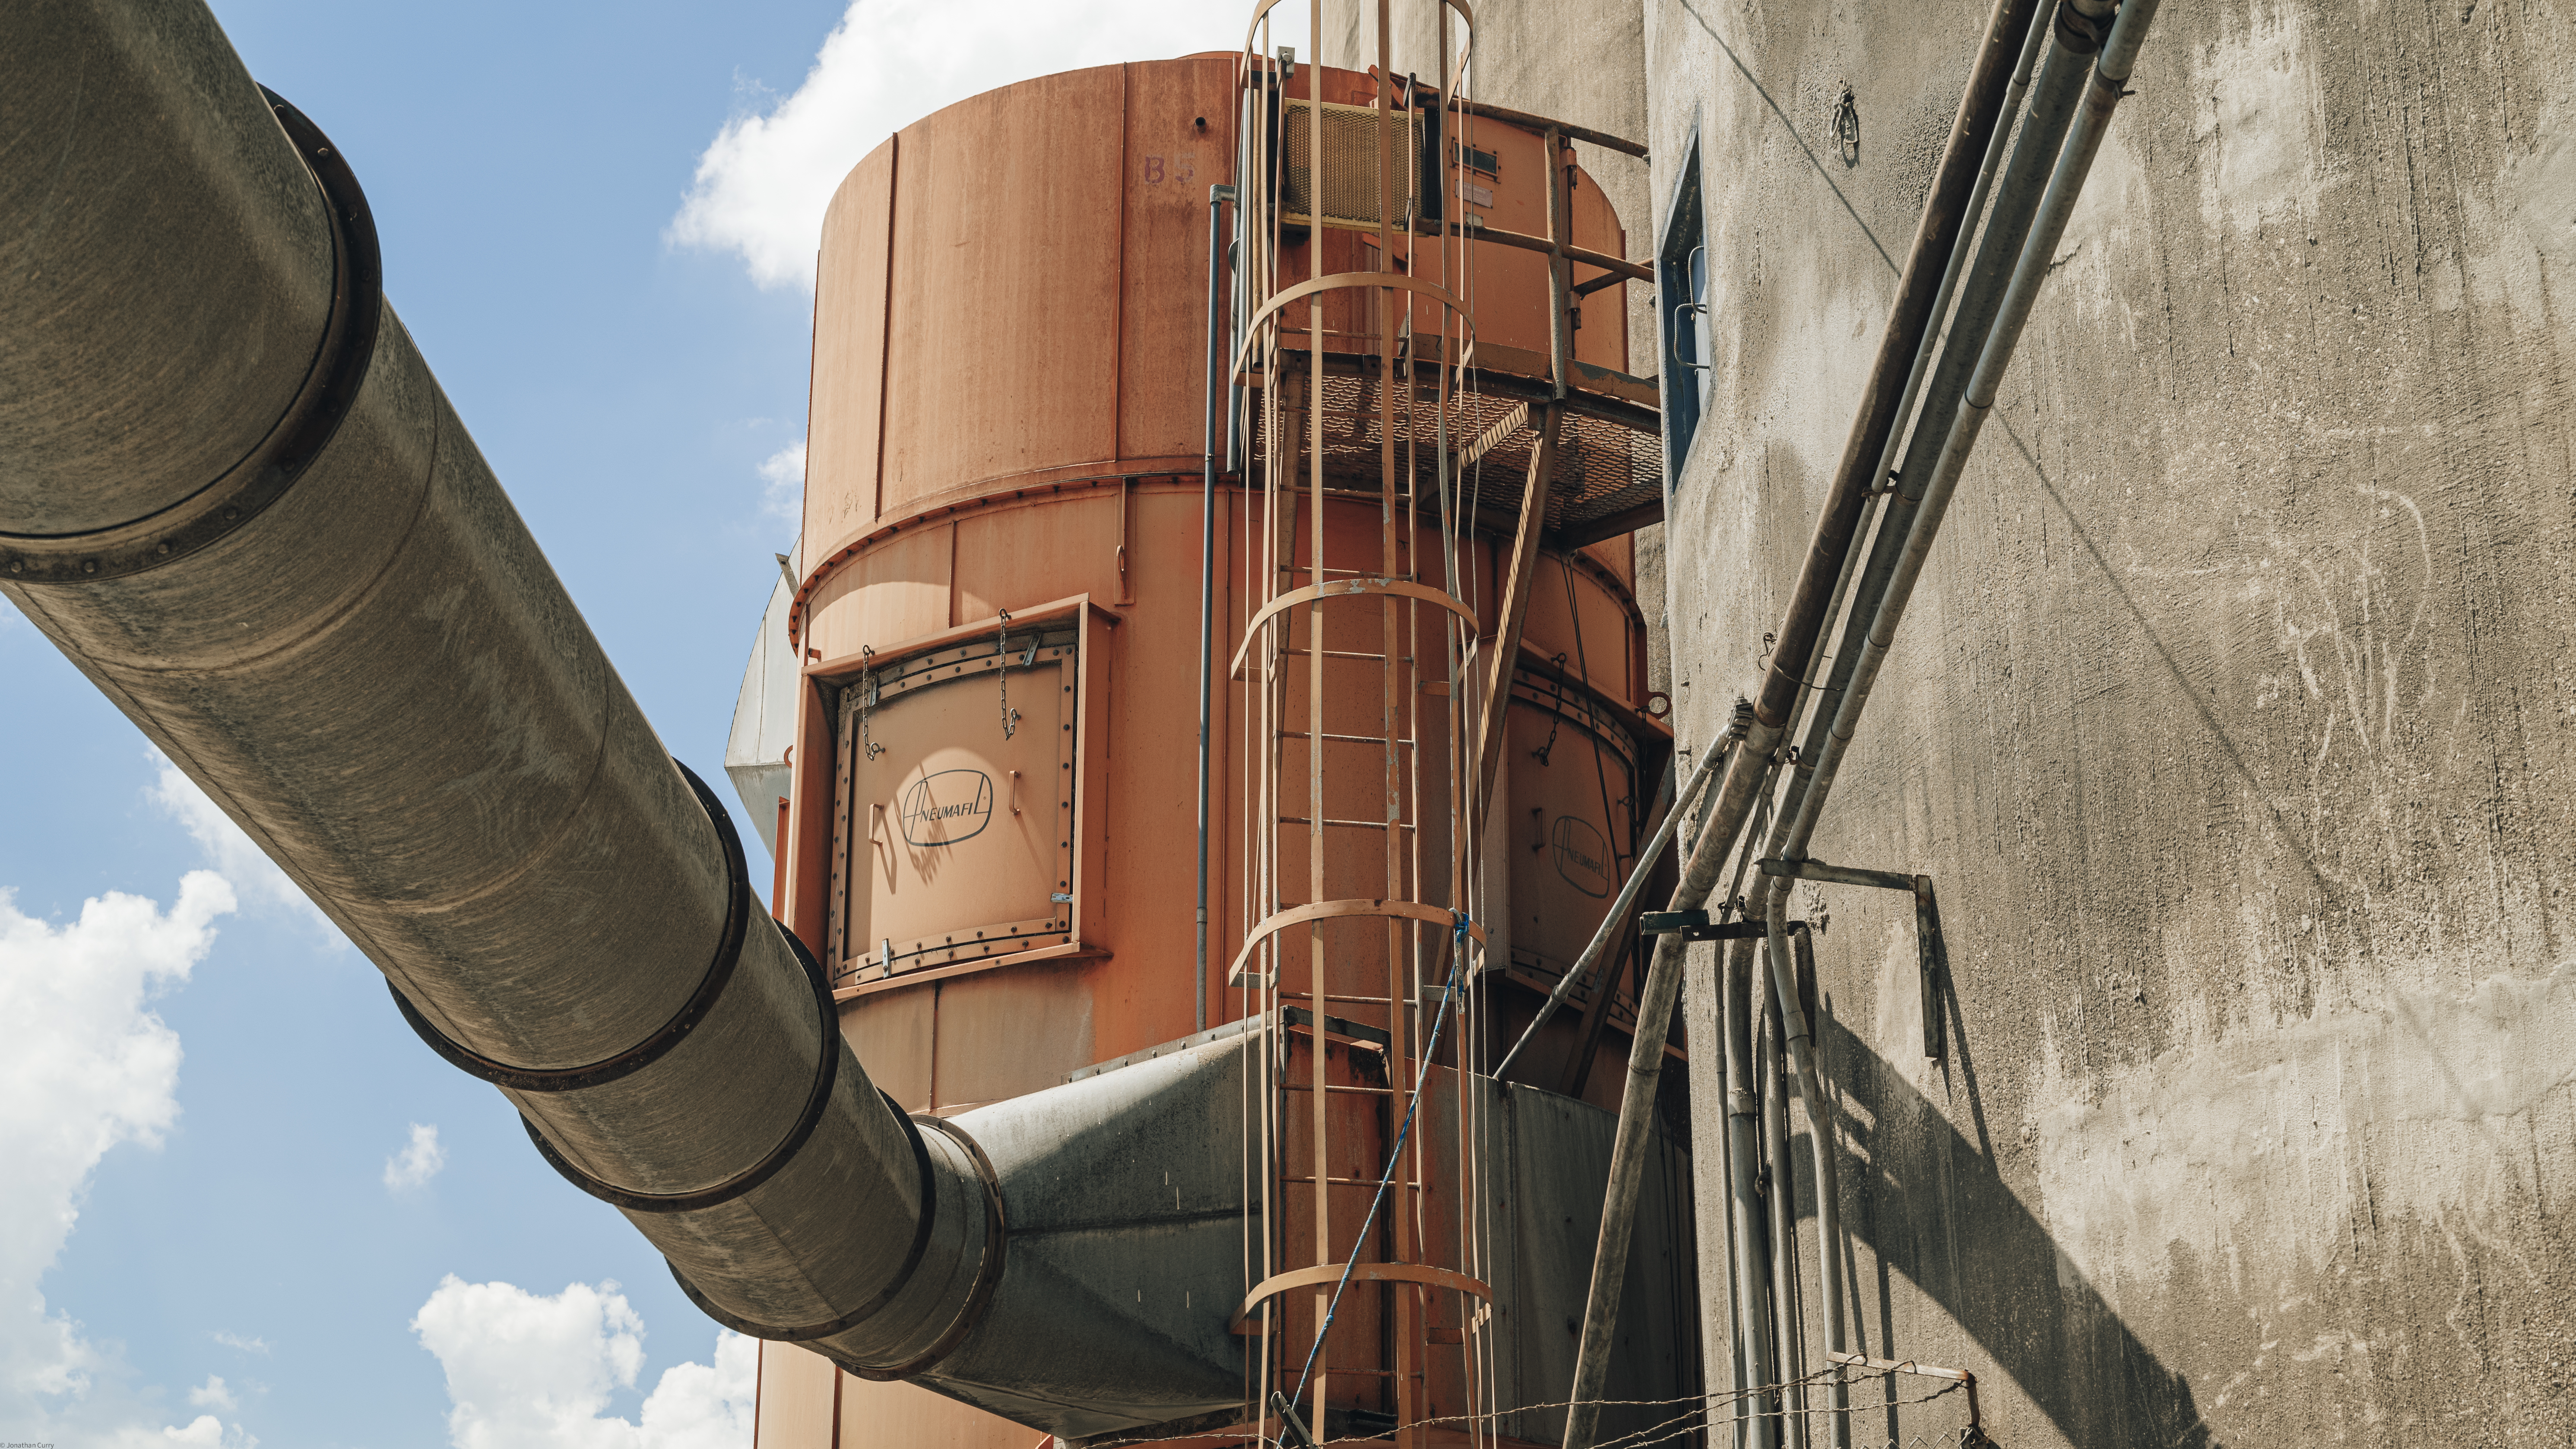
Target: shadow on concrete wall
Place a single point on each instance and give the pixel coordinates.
(1932, 1207)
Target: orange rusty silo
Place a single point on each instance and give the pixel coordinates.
(992, 841)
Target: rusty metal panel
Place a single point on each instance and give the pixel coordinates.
(1566, 814)
(888, 1415)
(958, 835)
(1170, 163)
(1019, 557)
(809, 820)
(796, 1404)
(893, 1035)
(1002, 344)
(1006, 1033)
(1602, 340)
(842, 432)
(894, 592)
(1568, 594)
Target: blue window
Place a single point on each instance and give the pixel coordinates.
(1681, 293)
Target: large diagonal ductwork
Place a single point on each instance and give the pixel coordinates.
(232, 492)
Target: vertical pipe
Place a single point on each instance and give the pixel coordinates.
(1216, 334)
(1780, 1195)
(1793, 1022)
(2039, 139)
(1755, 1344)
(1560, 344)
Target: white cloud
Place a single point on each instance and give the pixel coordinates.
(763, 184)
(531, 1372)
(782, 477)
(203, 1432)
(418, 1162)
(228, 850)
(85, 1065)
(212, 1395)
(247, 1345)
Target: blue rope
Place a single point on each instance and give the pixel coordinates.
(1458, 952)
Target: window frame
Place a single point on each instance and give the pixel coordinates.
(1681, 291)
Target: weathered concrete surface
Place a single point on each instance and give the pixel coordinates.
(2234, 717)
(1581, 61)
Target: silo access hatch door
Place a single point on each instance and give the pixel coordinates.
(953, 813)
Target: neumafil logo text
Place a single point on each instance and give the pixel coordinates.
(1582, 856)
(947, 807)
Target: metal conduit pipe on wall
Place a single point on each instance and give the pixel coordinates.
(2005, 231)
(2076, 35)
(1758, 1352)
(1905, 549)
(2100, 95)
(1781, 1198)
(235, 497)
(1803, 623)
(2006, 281)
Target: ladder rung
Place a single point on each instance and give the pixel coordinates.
(1351, 1182)
(1365, 1091)
(1342, 739)
(1346, 654)
(1345, 824)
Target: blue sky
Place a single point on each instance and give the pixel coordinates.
(243, 1203)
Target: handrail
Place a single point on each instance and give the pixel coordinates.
(1331, 281)
(1346, 588)
(1265, 6)
(1618, 266)
(1279, 921)
(1508, 116)
(1423, 1273)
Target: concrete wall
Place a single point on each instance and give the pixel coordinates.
(1580, 61)
(2235, 716)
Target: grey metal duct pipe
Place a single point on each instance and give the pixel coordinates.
(232, 493)
(1936, 236)
(344, 633)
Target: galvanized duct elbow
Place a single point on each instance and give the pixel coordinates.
(232, 493)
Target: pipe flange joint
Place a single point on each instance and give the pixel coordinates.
(2082, 25)
(970, 1313)
(330, 388)
(988, 1271)
(740, 906)
(826, 1071)
(902, 1275)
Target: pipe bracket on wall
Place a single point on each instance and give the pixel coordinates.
(1931, 952)
(740, 907)
(331, 386)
